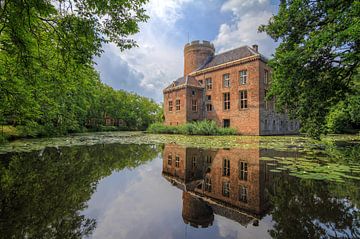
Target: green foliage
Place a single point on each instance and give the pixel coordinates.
(47, 79)
(316, 63)
(206, 127)
(345, 116)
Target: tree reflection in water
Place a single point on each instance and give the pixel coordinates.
(43, 193)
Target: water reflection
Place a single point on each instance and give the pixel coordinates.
(228, 182)
(90, 192)
(238, 185)
(42, 193)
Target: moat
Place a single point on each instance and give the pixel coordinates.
(153, 186)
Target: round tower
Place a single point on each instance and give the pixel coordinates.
(196, 212)
(195, 55)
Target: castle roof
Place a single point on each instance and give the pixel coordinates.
(228, 56)
(182, 82)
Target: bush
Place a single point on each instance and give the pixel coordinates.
(206, 127)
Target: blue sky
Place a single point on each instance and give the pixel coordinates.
(158, 60)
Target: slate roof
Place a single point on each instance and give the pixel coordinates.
(188, 80)
(228, 56)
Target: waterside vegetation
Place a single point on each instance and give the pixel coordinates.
(48, 82)
(205, 127)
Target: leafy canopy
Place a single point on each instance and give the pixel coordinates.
(317, 59)
(47, 79)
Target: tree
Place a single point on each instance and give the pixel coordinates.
(318, 56)
(47, 80)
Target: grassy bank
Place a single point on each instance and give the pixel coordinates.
(205, 127)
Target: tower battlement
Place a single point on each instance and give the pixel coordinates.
(195, 54)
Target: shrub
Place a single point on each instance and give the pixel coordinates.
(206, 127)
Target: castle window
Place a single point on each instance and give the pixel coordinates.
(243, 77)
(177, 102)
(227, 101)
(274, 125)
(169, 159)
(208, 159)
(208, 97)
(209, 107)
(243, 194)
(194, 105)
(170, 105)
(208, 184)
(243, 171)
(208, 83)
(266, 76)
(177, 161)
(193, 92)
(226, 80)
(201, 82)
(226, 167)
(226, 189)
(243, 99)
(226, 123)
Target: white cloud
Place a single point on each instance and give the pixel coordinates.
(248, 15)
(150, 67)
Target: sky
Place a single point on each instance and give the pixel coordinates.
(158, 60)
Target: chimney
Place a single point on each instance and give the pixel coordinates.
(255, 47)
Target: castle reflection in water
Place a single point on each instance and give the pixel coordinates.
(228, 182)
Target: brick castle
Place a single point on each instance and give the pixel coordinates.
(228, 88)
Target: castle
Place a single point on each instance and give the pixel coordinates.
(229, 88)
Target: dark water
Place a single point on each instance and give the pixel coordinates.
(169, 191)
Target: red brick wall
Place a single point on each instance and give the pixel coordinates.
(175, 117)
(194, 115)
(246, 121)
